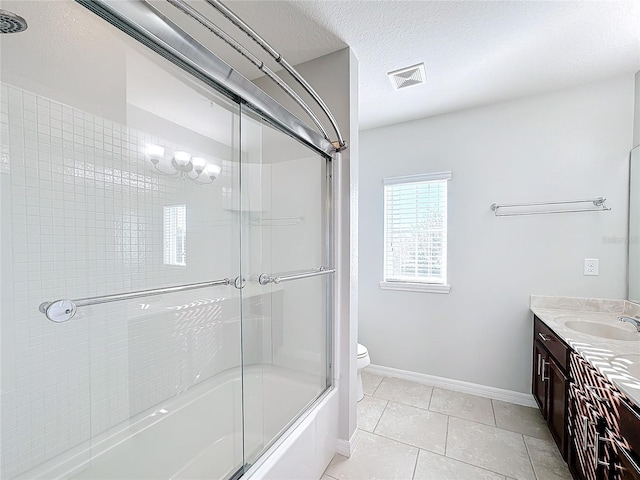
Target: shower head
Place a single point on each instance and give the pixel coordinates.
(11, 23)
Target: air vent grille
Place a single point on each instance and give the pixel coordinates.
(408, 76)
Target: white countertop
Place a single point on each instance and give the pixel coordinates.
(606, 355)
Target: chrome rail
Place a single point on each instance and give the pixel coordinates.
(240, 24)
(209, 25)
(62, 310)
(599, 203)
(266, 279)
(142, 21)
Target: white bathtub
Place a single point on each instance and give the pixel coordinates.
(198, 434)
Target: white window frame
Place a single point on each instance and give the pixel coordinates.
(414, 285)
(174, 219)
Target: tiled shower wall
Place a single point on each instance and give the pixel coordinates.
(85, 218)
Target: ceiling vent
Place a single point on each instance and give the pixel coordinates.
(408, 76)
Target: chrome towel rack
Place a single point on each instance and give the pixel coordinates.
(276, 222)
(266, 279)
(598, 205)
(62, 310)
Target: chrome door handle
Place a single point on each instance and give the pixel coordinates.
(545, 338)
(544, 363)
(266, 279)
(62, 310)
(596, 453)
(585, 426)
(598, 397)
(539, 357)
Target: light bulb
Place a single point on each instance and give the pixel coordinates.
(198, 164)
(155, 153)
(213, 170)
(182, 158)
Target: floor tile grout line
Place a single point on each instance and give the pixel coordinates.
(446, 437)
(477, 466)
(327, 475)
(380, 417)
(409, 405)
(533, 468)
(493, 412)
(415, 465)
(467, 419)
(460, 461)
(378, 385)
(492, 426)
(405, 443)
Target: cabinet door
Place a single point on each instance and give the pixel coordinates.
(627, 467)
(539, 382)
(556, 384)
(583, 432)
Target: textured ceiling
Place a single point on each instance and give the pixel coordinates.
(474, 52)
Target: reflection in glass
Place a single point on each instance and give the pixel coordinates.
(175, 235)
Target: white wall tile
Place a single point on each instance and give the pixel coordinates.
(86, 219)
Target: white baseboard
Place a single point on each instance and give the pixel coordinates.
(346, 447)
(510, 396)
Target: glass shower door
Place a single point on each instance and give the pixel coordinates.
(285, 326)
(118, 174)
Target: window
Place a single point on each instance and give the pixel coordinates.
(415, 233)
(175, 235)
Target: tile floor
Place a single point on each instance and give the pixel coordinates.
(413, 431)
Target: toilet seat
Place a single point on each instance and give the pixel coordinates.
(362, 351)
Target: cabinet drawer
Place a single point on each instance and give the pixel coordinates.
(595, 387)
(627, 465)
(629, 425)
(556, 347)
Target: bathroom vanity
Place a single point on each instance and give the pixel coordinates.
(586, 381)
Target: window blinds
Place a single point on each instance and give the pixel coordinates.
(415, 228)
(175, 235)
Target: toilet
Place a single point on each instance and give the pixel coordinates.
(363, 361)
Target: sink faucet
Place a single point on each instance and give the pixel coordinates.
(632, 321)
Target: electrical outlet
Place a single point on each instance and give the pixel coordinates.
(591, 266)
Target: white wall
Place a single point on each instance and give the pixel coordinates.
(570, 144)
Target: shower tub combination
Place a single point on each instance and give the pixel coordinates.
(166, 263)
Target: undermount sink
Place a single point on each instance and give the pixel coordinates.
(628, 363)
(603, 330)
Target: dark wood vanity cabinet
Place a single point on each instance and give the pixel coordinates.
(604, 427)
(549, 384)
(596, 428)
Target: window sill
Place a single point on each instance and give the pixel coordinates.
(415, 287)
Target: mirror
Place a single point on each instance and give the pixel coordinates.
(634, 226)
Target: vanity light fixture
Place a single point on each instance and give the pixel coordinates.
(184, 164)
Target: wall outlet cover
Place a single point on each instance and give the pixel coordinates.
(591, 266)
